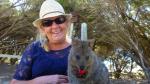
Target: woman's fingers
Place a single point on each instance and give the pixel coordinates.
(63, 77)
(63, 81)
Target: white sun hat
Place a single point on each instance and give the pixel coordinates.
(50, 8)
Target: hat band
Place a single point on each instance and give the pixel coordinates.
(52, 12)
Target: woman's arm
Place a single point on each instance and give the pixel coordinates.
(52, 79)
(14, 81)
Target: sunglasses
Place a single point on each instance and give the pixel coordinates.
(49, 22)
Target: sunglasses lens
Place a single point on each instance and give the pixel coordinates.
(46, 23)
(60, 20)
(49, 22)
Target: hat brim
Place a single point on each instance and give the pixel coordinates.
(37, 22)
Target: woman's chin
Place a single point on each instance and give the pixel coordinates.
(57, 40)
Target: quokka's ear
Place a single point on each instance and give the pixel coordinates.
(75, 41)
(91, 43)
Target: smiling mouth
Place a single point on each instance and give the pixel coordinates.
(56, 32)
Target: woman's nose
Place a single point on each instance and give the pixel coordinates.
(54, 25)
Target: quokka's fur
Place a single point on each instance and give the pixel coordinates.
(82, 55)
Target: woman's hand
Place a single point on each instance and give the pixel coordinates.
(51, 79)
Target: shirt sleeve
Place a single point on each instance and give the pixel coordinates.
(24, 68)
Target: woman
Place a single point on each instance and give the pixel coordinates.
(45, 61)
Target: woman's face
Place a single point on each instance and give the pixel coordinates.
(55, 28)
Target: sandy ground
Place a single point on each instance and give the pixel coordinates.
(6, 73)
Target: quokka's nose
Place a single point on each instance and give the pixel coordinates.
(82, 67)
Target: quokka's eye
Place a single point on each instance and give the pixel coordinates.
(87, 57)
(77, 57)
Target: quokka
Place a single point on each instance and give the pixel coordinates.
(84, 67)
